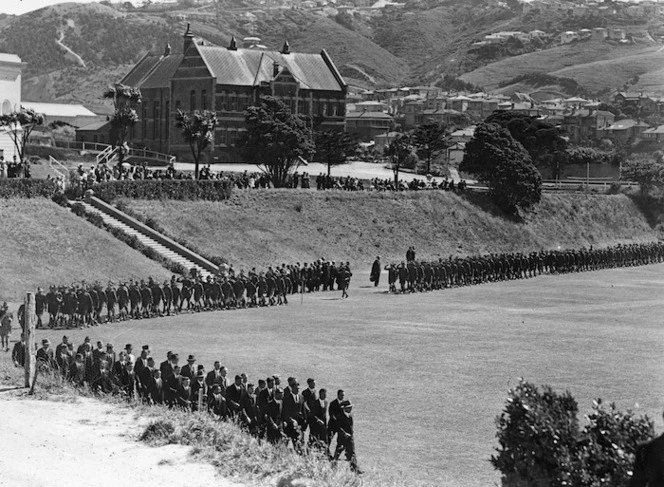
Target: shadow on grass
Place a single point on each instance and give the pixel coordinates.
(484, 202)
(650, 206)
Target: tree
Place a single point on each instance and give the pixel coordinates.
(645, 170)
(502, 163)
(334, 147)
(19, 125)
(398, 152)
(197, 131)
(537, 136)
(125, 100)
(430, 139)
(275, 139)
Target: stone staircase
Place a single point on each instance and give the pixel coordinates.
(149, 237)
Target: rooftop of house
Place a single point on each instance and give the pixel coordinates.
(58, 109)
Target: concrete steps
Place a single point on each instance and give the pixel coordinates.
(146, 240)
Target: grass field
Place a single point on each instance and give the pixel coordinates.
(43, 244)
(428, 373)
(261, 228)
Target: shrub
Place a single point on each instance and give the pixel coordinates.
(27, 188)
(541, 444)
(60, 199)
(216, 190)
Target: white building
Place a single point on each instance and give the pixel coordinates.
(76, 115)
(11, 68)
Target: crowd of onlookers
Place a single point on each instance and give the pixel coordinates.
(268, 410)
(417, 184)
(14, 168)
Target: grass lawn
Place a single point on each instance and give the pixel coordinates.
(428, 373)
(43, 244)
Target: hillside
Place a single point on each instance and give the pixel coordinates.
(45, 244)
(261, 228)
(597, 66)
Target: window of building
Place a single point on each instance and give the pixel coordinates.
(155, 121)
(167, 120)
(192, 100)
(204, 104)
(144, 121)
(232, 103)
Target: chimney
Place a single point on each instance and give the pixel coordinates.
(188, 38)
(286, 48)
(275, 69)
(233, 45)
(167, 50)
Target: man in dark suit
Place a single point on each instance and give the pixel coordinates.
(345, 439)
(249, 410)
(294, 414)
(217, 402)
(317, 418)
(183, 394)
(197, 386)
(214, 376)
(129, 381)
(77, 371)
(165, 364)
(157, 388)
(189, 370)
(18, 352)
(375, 272)
(172, 386)
(334, 413)
(145, 377)
(234, 396)
(274, 417)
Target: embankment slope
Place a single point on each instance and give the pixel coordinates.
(260, 228)
(43, 244)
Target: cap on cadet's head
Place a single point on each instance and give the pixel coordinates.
(128, 346)
(310, 381)
(45, 341)
(191, 358)
(200, 367)
(146, 347)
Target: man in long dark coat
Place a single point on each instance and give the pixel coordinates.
(375, 272)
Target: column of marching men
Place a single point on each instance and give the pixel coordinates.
(87, 304)
(304, 418)
(415, 276)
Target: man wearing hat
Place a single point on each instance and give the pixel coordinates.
(249, 410)
(45, 356)
(345, 438)
(130, 356)
(109, 356)
(189, 370)
(334, 412)
(199, 387)
(184, 395)
(18, 352)
(145, 377)
(62, 357)
(140, 364)
(213, 377)
(157, 388)
(166, 364)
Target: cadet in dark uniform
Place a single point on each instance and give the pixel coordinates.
(375, 272)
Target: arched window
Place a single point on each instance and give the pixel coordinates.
(6, 107)
(192, 100)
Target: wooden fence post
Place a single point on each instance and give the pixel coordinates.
(30, 353)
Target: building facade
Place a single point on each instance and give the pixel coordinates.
(11, 69)
(227, 80)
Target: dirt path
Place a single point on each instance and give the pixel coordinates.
(48, 443)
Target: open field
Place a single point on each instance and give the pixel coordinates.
(428, 373)
(43, 243)
(261, 228)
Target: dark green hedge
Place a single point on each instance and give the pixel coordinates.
(27, 188)
(217, 190)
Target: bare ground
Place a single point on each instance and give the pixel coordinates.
(49, 443)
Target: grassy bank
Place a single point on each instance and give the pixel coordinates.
(267, 227)
(43, 243)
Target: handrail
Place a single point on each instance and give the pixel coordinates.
(105, 150)
(150, 232)
(52, 160)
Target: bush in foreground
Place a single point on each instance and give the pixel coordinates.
(168, 189)
(541, 443)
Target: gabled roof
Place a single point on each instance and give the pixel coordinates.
(368, 115)
(94, 126)
(249, 67)
(153, 71)
(655, 130)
